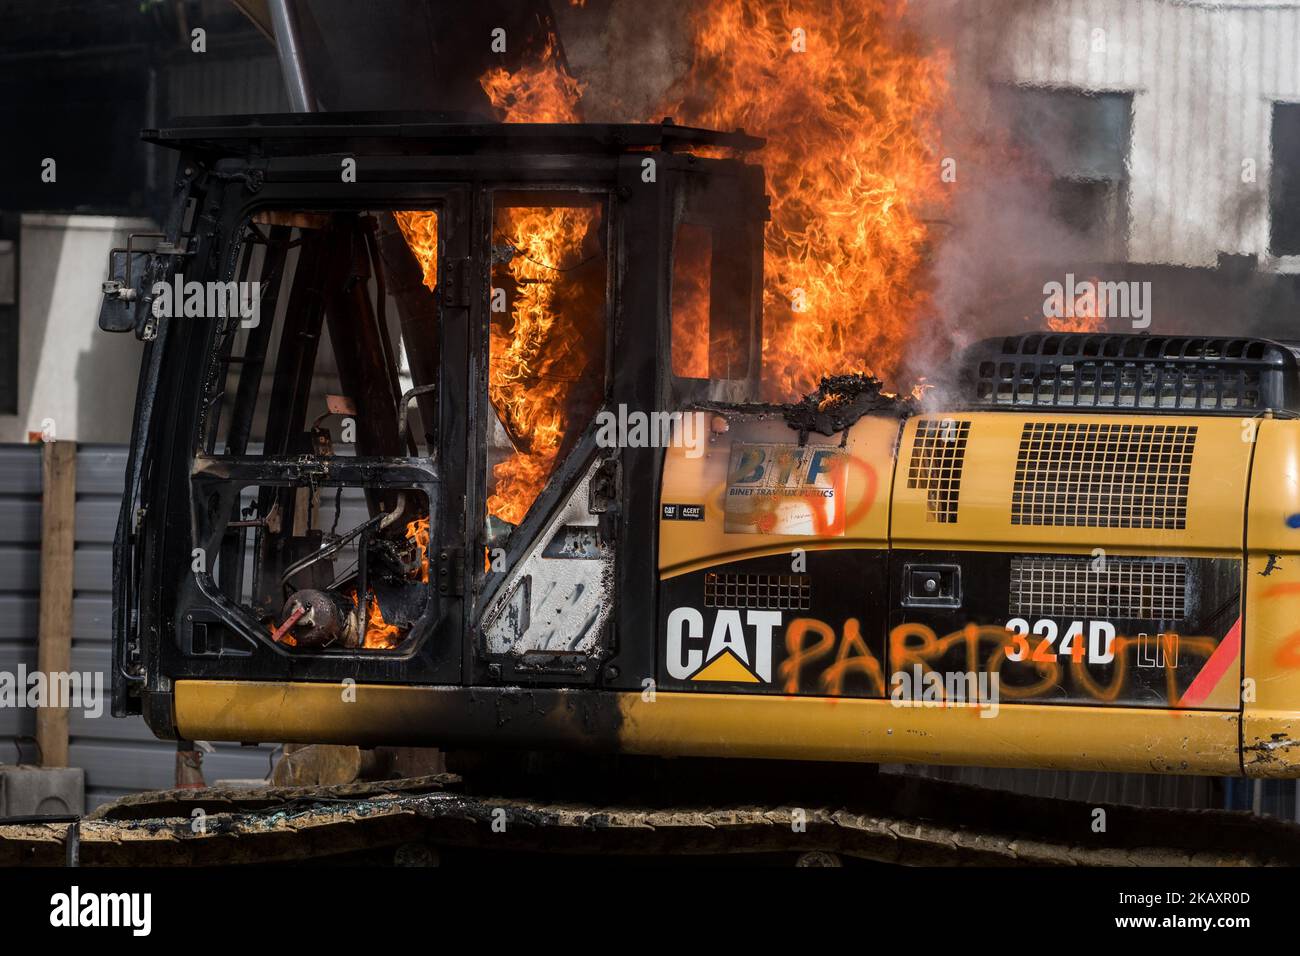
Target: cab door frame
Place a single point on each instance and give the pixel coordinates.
(495, 575)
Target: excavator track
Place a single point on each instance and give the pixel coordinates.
(439, 819)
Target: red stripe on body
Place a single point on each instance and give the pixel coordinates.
(1227, 651)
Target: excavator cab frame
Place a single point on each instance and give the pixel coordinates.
(238, 465)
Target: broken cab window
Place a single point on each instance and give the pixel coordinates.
(333, 347)
(547, 342)
(331, 354)
(712, 323)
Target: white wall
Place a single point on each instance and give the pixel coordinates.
(1203, 77)
(68, 370)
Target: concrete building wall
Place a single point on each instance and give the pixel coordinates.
(69, 372)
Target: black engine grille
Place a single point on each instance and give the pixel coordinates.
(1105, 587)
(1145, 373)
(780, 592)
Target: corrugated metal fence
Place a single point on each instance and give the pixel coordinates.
(118, 756)
(1276, 798)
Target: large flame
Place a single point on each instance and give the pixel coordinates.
(538, 354)
(846, 100)
(535, 354)
(690, 302)
(542, 91)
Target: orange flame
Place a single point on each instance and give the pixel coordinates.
(1089, 313)
(533, 363)
(539, 92)
(847, 105)
(420, 230)
(1080, 323)
(418, 531)
(846, 99)
(692, 254)
(380, 635)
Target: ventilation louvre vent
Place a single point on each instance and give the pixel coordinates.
(938, 453)
(1102, 475)
(1167, 373)
(775, 592)
(1084, 588)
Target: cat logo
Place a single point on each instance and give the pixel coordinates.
(739, 648)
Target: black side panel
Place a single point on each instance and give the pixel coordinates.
(759, 627)
(1142, 631)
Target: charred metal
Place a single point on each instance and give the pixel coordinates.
(343, 543)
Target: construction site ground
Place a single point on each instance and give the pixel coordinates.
(448, 819)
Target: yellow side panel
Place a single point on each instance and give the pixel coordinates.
(703, 480)
(1023, 735)
(717, 725)
(1271, 722)
(370, 715)
(1215, 498)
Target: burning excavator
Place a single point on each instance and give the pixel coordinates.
(394, 473)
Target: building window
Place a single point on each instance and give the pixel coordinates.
(1080, 141)
(1284, 189)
